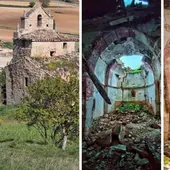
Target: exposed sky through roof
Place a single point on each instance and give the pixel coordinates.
(133, 61)
(129, 2)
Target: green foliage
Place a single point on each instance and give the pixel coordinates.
(54, 65)
(166, 160)
(8, 45)
(131, 107)
(2, 78)
(2, 85)
(13, 6)
(8, 112)
(135, 71)
(52, 108)
(69, 65)
(31, 4)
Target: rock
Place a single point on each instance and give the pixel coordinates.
(143, 141)
(124, 123)
(112, 122)
(142, 146)
(137, 141)
(143, 162)
(122, 133)
(130, 126)
(136, 158)
(135, 121)
(122, 163)
(124, 140)
(104, 134)
(119, 146)
(105, 141)
(106, 115)
(142, 114)
(155, 126)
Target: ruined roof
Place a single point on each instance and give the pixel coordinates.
(46, 36)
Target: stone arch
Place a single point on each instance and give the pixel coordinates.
(100, 64)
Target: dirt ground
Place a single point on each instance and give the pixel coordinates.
(66, 16)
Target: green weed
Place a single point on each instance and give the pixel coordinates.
(8, 45)
(131, 107)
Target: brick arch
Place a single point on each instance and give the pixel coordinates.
(104, 39)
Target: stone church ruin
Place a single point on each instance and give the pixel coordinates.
(121, 103)
(36, 39)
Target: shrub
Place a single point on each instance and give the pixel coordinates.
(52, 108)
(8, 45)
(31, 4)
(131, 106)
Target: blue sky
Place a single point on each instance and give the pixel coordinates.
(133, 61)
(128, 2)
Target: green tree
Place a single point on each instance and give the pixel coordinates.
(32, 4)
(52, 108)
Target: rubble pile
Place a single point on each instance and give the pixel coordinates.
(123, 140)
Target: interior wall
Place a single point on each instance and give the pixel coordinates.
(103, 57)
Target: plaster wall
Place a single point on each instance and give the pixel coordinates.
(119, 87)
(100, 72)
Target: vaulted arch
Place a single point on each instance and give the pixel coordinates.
(103, 60)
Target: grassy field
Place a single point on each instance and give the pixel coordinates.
(23, 149)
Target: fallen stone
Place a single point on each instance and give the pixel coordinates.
(142, 114)
(143, 162)
(119, 146)
(155, 126)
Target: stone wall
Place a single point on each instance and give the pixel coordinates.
(35, 38)
(29, 24)
(44, 48)
(26, 70)
(19, 75)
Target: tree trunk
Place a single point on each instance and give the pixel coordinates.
(65, 139)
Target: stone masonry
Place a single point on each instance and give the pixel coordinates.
(36, 37)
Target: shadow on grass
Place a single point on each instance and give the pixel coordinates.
(6, 140)
(35, 142)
